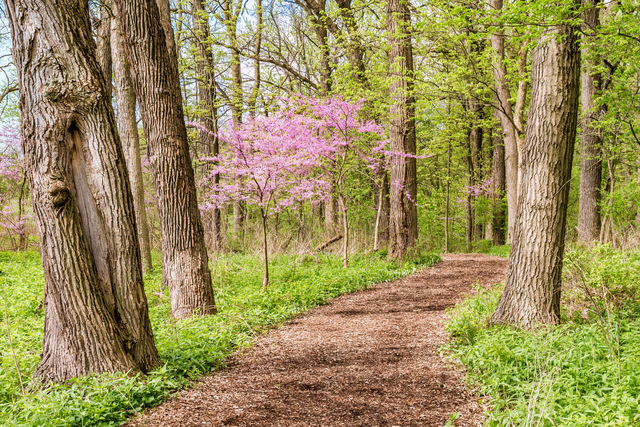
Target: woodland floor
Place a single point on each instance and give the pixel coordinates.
(369, 358)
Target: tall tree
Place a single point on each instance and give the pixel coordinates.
(507, 123)
(96, 317)
(590, 138)
(231, 14)
(128, 129)
(155, 77)
(532, 290)
(207, 109)
(402, 131)
(499, 187)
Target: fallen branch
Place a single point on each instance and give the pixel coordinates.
(328, 242)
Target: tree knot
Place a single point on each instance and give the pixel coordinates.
(59, 193)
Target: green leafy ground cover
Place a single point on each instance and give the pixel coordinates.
(188, 348)
(585, 372)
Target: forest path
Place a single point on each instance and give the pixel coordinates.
(368, 358)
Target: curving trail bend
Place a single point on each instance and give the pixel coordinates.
(365, 359)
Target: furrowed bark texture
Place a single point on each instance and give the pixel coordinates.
(207, 95)
(96, 317)
(403, 229)
(590, 145)
(509, 133)
(128, 129)
(532, 291)
(103, 42)
(155, 78)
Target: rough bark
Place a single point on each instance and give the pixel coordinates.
(590, 144)
(208, 112)
(103, 42)
(509, 133)
(403, 230)
(128, 130)
(532, 291)
(96, 317)
(499, 187)
(155, 78)
(164, 10)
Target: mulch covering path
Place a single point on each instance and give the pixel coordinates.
(369, 358)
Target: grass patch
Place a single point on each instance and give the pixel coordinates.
(188, 348)
(585, 372)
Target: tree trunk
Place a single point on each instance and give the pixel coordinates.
(447, 199)
(255, 91)
(155, 77)
(206, 92)
(103, 43)
(330, 214)
(499, 187)
(232, 9)
(509, 132)
(164, 10)
(96, 317)
(470, 182)
(590, 145)
(476, 137)
(320, 27)
(355, 45)
(402, 131)
(128, 129)
(532, 291)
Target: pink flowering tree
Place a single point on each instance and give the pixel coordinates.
(11, 172)
(270, 162)
(349, 144)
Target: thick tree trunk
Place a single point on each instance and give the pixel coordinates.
(590, 145)
(499, 187)
(206, 93)
(402, 131)
(509, 132)
(96, 317)
(103, 43)
(128, 129)
(164, 10)
(155, 77)
(532, 291)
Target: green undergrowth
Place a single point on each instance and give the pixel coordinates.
(188, 348)
(584, 372)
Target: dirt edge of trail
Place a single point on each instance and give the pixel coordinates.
(369, 358)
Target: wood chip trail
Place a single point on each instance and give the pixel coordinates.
(365, 359)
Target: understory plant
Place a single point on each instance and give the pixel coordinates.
(583, 372)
